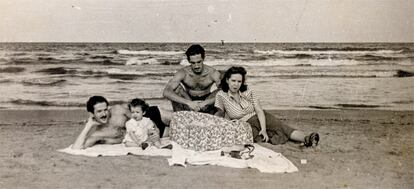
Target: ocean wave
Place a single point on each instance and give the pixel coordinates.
(136, 61)
(351, 74)
(131, 75)
(141, 81)
(46, 103)
(103, 62)
(57, 71)
(6, 80)
(328, 52)
(377, 57)
(351, 49)
(44, 81)
(403, 102)
(18, 54)
(11, 70)
(4, 60)
(282, 62)
(47, 59)
(147, 52)
(113, 102)
(101, 57)
(358, 106)
(22, 61)
(403, 73)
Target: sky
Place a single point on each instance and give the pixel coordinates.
(206, 20)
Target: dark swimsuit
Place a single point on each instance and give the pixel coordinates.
(154, 114)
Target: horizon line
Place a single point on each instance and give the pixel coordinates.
(204, 42)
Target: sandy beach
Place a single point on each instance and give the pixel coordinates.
(358, 149)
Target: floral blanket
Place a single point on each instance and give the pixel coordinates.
(202, 132)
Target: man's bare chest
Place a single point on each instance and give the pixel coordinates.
(198, 82)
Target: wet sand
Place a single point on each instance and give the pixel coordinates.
(358, 149)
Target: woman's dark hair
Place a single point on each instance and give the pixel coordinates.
(95, 100)
(234, 70)
(138, 102)
(195, 49)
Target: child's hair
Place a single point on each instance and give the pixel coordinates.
(138, 102)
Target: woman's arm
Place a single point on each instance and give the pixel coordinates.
(262, 120)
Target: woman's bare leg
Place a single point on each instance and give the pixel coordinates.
(297, 136)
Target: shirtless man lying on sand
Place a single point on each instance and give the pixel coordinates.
(107, 125)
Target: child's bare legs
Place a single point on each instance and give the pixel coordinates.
(131, 144)
(166, 132)
(157, 144)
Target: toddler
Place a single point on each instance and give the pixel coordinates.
(140, 131)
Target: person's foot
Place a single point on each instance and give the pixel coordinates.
(144, 145)
(170, 146)
(312, 140)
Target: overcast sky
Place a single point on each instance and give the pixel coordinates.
(207, 21)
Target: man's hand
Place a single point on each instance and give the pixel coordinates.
(195, 106)
(92, 122)
(202, 104)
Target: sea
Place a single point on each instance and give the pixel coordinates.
(284, 75)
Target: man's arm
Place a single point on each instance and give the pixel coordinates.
(172, 85)
(80, 141)
(216, 77)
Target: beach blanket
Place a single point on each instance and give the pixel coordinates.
(116, 150)
(265, 160)
(119, 150)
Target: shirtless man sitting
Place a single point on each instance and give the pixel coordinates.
(107, 126)
(190, 87)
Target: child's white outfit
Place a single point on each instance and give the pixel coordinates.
(140, 128)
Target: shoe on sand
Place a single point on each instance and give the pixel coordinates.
(144, 145)
(312, 140)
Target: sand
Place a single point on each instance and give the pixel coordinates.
(358, 149)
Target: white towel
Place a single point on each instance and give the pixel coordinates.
(116, 150)
(119, 150)
(264, 160)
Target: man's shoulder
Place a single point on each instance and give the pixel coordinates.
(147, 121)
(210, 70)
(119, 108)
(182, 71)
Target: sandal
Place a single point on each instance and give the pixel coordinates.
(250, 150)
(239, 154)
(311, 140)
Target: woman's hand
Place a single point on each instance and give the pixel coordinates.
(264, 134)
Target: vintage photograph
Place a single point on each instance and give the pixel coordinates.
(207, 94)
